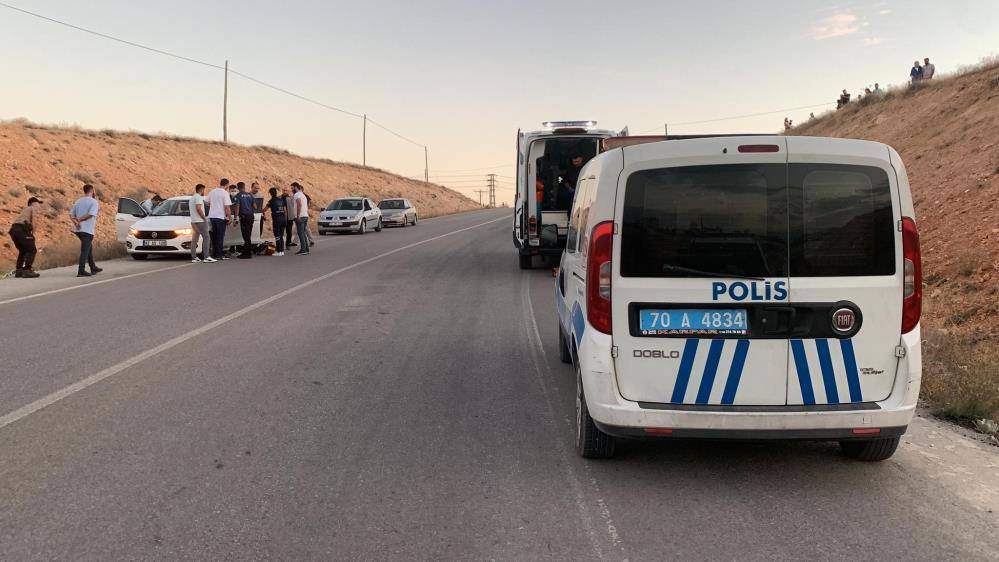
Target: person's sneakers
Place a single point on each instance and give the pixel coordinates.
(195, 260)
(29, 274)
(209, 259)
(225, 257)
(292, 244)
(19, 273)
(96, 270)
(278, 254)
(81, 274)
(301, 253)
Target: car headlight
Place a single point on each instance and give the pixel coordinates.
(133, 232)
(183, 231)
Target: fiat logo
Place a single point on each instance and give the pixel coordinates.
(843, 320)
(155, 235)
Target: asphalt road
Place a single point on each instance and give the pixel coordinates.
(399, 396)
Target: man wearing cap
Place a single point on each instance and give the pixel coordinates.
(22, 232)
(84, 217)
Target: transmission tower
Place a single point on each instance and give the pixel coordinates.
(492, 190)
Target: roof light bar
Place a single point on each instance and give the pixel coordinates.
(557, 124)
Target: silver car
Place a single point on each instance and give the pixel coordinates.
(350, 214)
(397, 211)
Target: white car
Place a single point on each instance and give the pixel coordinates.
(397, 211)
(743, 287)
(350, 214)
(167, 231)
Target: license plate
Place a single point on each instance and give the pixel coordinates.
(692, 321)
(154, 242)
(334, 223)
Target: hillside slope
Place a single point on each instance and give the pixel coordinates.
(947, 133)
(54, 163)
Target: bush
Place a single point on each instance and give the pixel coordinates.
(961, 377)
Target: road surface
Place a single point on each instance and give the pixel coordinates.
(399, 396)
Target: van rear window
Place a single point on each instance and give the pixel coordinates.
(841, 221)
(706, 221)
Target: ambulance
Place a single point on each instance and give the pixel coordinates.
(743, 287)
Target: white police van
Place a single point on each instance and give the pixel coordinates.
(743, 287)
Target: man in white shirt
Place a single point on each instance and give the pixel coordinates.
(219, 214)
(301, 204)
(928, 69)
(199, 226)
(84, 217)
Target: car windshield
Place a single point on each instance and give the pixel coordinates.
(392, 204)
(345, 205)
(172, 208)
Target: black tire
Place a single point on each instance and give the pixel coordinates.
(870, 450)
(363, 227)
(414, 220)
(405, 222)
(378, 227)
(564, 353)
(591, 443)
(140, 257)
(526, 262)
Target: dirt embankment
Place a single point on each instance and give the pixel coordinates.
(947, 132)
(53, 163)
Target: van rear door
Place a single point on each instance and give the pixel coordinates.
(700, 304)
(846, 273)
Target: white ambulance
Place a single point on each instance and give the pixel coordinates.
(760, 287)
(548, 163)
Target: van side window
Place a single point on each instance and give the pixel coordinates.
(573, 236)
(841, 221)
(585, 197)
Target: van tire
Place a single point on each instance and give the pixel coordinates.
(564, 353)
(870, 450)
(591, 443)
(526, 262)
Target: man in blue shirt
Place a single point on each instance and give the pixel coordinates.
(243, 202)
(916, 74)
(84, 217)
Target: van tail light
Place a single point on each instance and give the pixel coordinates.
(532, 225)
(912, 276)
(598, 277)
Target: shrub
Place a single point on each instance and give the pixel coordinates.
(961, 377)
(16, 191)
(85, 178)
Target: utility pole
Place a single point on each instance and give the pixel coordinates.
(364, 142)
(492, 190)
(225, 105)
(426, 165)
(480, 192)
(666, 129)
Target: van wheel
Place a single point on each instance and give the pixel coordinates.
(139, 257)
(526, 262)
(564, 354)
(363, 227)
(591, 443)
(870, 450)
(379, 227)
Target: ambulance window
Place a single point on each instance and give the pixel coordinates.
(841, 219)
(705, 221)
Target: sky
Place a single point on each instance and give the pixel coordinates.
(463, 77)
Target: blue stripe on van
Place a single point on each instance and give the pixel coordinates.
(683, 377)
(804, 377)
(735, 372)
(828, 375)
(852, 377)
(578, 322)
(710, 370)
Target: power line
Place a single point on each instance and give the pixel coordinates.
(301, 97)
(739, 116)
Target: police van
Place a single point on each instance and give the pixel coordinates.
(548, 160)
(757, 287)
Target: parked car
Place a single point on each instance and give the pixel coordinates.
(350, 214)
(397, 211)
(167, 230)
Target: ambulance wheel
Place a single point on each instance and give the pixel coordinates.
(564, 353)
(870, 450)
(526, 262)
(591, 443)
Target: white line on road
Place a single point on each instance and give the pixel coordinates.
(91, 284)
(27, 410)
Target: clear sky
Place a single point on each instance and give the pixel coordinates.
(462, 77)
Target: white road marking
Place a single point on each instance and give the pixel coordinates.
(28, 409)
(91, 284)
(575, 481)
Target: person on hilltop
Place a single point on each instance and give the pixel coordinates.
(928, 69)
(916, 74)
(877, 89)
(22, 232)
(83, 214)
(199, 226)
(843, 100)
(219, 215)
(243, 205)
(278, 206)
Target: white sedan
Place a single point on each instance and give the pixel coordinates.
(167, 230)
(350, 214)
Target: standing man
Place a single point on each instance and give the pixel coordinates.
(199, 226)
(244, 208)
(301, 218)
(278, 207)
(290, 206)
(22, 232)
(916, 74)
(877, 89)
(219, 214)
(84, 217)
(928, 69)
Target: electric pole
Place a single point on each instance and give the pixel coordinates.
(492, 190)
(225, 105)
(480, 192)
(364, 142)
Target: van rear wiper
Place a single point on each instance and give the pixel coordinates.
(681, 269)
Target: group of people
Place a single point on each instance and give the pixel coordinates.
(229, 204)
(921, 72)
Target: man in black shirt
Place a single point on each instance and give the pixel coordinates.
(243, 202)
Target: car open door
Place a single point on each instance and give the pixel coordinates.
(129, 212)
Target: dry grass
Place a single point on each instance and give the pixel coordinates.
(961, 378)
(67, 252)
